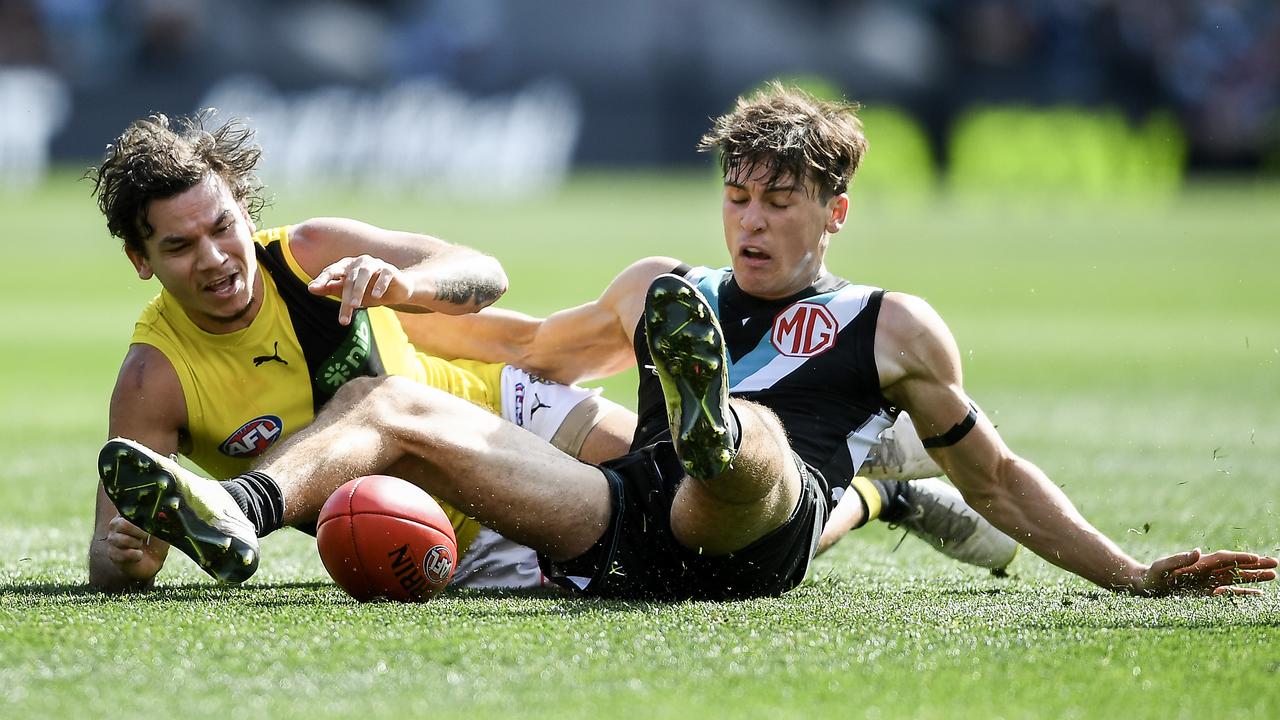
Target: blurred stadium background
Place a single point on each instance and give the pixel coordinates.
(469, 95)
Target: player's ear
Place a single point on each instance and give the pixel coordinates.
(838, 212)
(140, 263)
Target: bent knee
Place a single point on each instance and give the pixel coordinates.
(394, 395)
(383, 396)
(357, 389)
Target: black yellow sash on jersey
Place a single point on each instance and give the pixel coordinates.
(334, 353)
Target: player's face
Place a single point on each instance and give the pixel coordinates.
(777, 233)
(202, 252)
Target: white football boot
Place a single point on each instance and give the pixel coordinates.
(194, 514)
(938, 514)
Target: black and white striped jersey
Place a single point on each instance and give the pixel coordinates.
(809, 358)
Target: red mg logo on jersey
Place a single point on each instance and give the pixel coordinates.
(805, 329)
(253, 438)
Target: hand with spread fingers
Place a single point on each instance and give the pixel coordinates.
(362, 281)
(1216, 573)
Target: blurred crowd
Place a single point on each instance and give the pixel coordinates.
(656, 70)
(1215, 62)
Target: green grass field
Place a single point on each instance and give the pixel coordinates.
(1131, 351)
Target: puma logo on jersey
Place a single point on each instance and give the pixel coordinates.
(275, 355)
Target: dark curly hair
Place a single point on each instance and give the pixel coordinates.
(155, 159)
(788, 132)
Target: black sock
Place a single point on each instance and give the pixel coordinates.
(260, 499)
(893, 508)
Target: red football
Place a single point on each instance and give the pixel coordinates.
(381, 537)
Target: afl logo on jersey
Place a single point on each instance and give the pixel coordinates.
(253, 438)
(805, 329)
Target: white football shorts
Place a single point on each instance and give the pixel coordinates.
(563, 415)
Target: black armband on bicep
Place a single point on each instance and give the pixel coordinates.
(956, 433)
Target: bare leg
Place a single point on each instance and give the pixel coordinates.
(846, 516)
(732, 496)
(610, 438)
(754, 497)
(504, 476)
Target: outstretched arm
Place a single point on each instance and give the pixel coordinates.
(147, 406)
(368, 266)
(580, 343)
(920, 372)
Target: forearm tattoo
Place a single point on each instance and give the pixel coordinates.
(464, 291)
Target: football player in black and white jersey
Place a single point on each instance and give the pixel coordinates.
(770, 382)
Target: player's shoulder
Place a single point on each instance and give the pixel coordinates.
(148, 403)
(303, 247)
(652, 266)
(911, 337)
(148, 384)
(147, 367)
(323, 233)
(908, 314)
(637, 276)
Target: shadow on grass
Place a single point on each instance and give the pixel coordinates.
(165, 593)
(476, 603)
(1062, 611)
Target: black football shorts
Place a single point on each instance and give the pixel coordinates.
(639, 557)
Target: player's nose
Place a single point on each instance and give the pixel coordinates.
(209, 254)
(752, 219)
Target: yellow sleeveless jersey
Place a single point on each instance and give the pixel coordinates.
(249, 389)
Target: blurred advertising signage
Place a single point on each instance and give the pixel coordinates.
(34, 104)
(417, 134)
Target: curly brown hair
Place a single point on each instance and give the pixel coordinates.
(154, 159)
(789, 133)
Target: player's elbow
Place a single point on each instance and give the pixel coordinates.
(569, 366)
(552, 367)
(488, 282)
(497, 282)
(525, 345)
(471, 282)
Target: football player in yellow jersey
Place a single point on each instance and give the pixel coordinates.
(254, 331)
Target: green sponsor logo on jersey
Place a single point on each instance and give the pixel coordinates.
(351, 359)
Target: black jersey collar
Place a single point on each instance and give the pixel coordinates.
(825, 283)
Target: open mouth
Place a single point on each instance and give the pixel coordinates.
(754, 254)
(224, 286)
